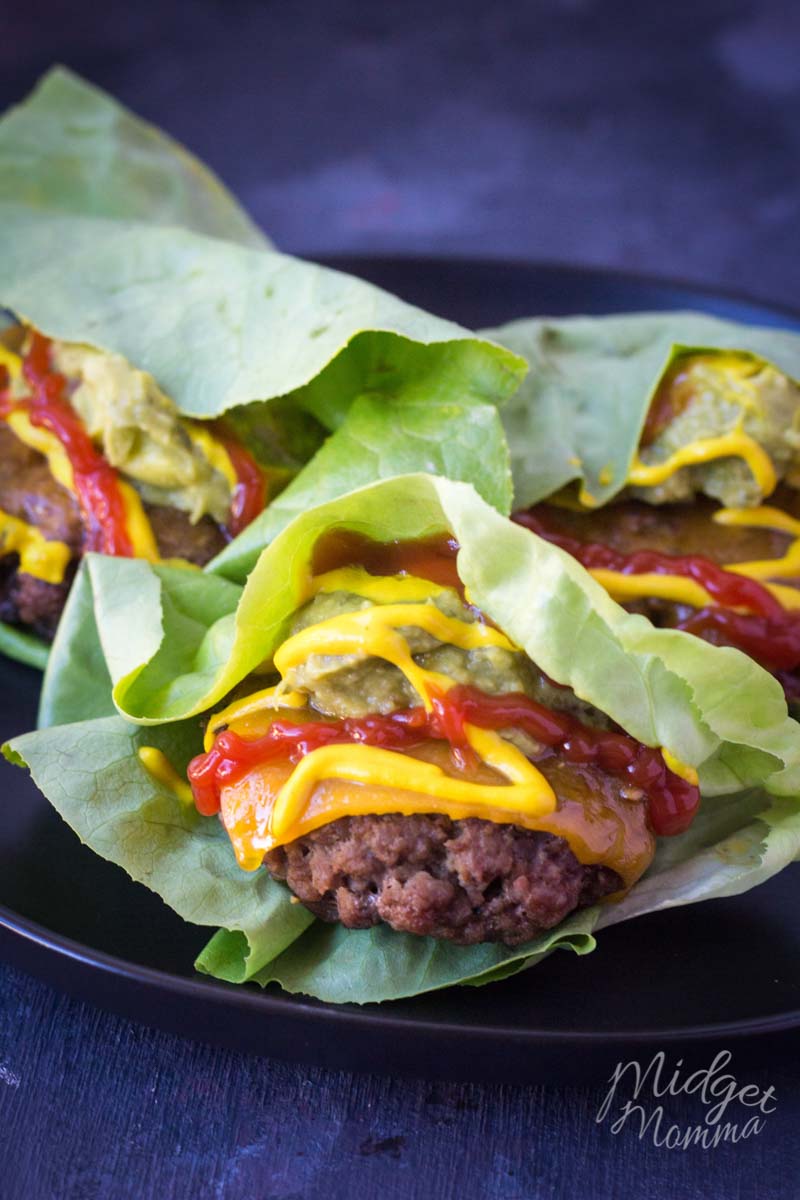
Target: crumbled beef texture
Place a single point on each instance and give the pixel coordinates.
(31, 602)
(29, 491)
(177, 537)
(632, 525)
(466, 881)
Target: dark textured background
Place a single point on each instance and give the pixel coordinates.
(662, 137)
(659, 136)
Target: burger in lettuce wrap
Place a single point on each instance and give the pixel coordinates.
(432, 729)
(663, 451)
(164, 373)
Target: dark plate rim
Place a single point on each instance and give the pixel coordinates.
(621, 274)
(385, 1018)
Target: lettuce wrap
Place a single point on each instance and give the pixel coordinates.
(117, 239)
(144, 650)
(579, 414)
(71, 148)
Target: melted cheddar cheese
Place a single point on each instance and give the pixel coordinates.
(275, 803)
(404, 783)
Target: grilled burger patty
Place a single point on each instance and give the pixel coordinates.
(466, 881)
(29, 491)
(630, 527)
(469, 880)
(633, 525)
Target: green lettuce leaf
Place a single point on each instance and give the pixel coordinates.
(71, 148)
(580, 412)
(23, 646)
(92, 776)
(367, 966)
(380, 438)
(175, 641)
(77, 684)
(228, 329)
(728, 850)
(104, 221)
(220, 325)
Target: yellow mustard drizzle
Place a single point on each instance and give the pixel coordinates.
(676, 588)
(528, 792)
(679, 768)
(622, 587)
(763, 517)
(11, 361)
(39, 557)
(680, 590)
(46, 443)
(404, 784)
(787, 567)
(381, 589)
(374, 632)
(140, 531)
(157, 765)
(214, 451)
(734, 444)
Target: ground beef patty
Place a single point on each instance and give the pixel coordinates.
(632, 525)
(467, 881)
(177, 537)
(29, 491)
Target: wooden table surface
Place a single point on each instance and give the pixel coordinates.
(92, 1106)
(577, 130)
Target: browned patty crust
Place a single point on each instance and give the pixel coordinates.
(29, 491)
(466, 881)
(680, 529)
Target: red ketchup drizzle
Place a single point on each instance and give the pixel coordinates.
(768, 632)
(773, 643)
(96, 481)
(727, 588)
(672, 801)
(250, 493)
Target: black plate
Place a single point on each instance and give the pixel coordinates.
(719, 974)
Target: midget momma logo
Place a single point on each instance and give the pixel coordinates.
(637, 1101)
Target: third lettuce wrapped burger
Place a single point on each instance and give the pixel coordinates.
(663, 452)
